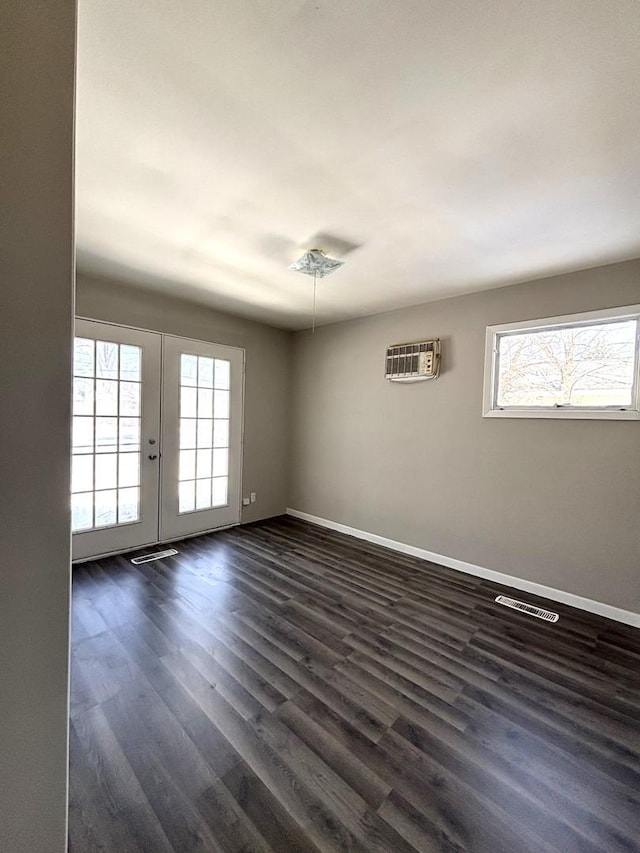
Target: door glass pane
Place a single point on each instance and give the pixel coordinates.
(82, 511)
(130, 398)
(187, 433)
(129, 469)
(220, 462)
(199, 403)
(130, 363)
(106, 360)
(128, 505)
(106, 397)
(187, 465)
(189, 370)
(129, 431)
(82, 435)
(186, 496)
(205, 372)
(203, 494)
(205, 403)
(188, 402)
(221, 404)
(83, 357)
(83, 396)
(82, 473)
(106, 471)
(106, 434)
(222, 374)
(106, 508)
(204, 463)
(205, 432)
(219, 491)
(220, 433)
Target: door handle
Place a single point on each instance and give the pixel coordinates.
(153, 456)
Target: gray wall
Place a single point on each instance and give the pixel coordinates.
(555, 502)
(267, 379)
(37, 57)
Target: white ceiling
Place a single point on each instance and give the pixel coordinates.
(459, 144)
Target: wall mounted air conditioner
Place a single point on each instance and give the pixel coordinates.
(413, 362)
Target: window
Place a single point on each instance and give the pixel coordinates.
(578, 366)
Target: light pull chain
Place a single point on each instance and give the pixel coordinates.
(315, 281)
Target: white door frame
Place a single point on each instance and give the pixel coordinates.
(157, 540)
(174, 525)
(144, 531)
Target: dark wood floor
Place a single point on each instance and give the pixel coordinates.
(280, 687)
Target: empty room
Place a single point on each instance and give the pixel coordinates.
(320, 426)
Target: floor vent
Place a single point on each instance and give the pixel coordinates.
(547, 615)
(157, 555)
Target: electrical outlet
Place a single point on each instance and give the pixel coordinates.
(254, 497)
(245, 501)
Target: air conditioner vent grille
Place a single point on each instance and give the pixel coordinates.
(413, 361)
(530, 609)
(156, 555)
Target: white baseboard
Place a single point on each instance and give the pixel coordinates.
(598, 607)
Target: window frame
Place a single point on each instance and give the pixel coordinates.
(491, 410)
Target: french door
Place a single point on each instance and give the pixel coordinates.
(201, 437)
(116, 417)
(157, 431)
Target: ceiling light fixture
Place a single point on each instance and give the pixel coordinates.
(315, 263)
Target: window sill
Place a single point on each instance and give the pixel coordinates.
(566, 414)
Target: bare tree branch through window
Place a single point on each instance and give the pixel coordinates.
(590, 366)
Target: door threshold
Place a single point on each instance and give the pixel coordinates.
(121, 551)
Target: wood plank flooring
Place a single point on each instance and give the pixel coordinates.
(280, 687)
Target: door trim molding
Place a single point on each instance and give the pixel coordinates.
(155, 332)
(163, 336)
